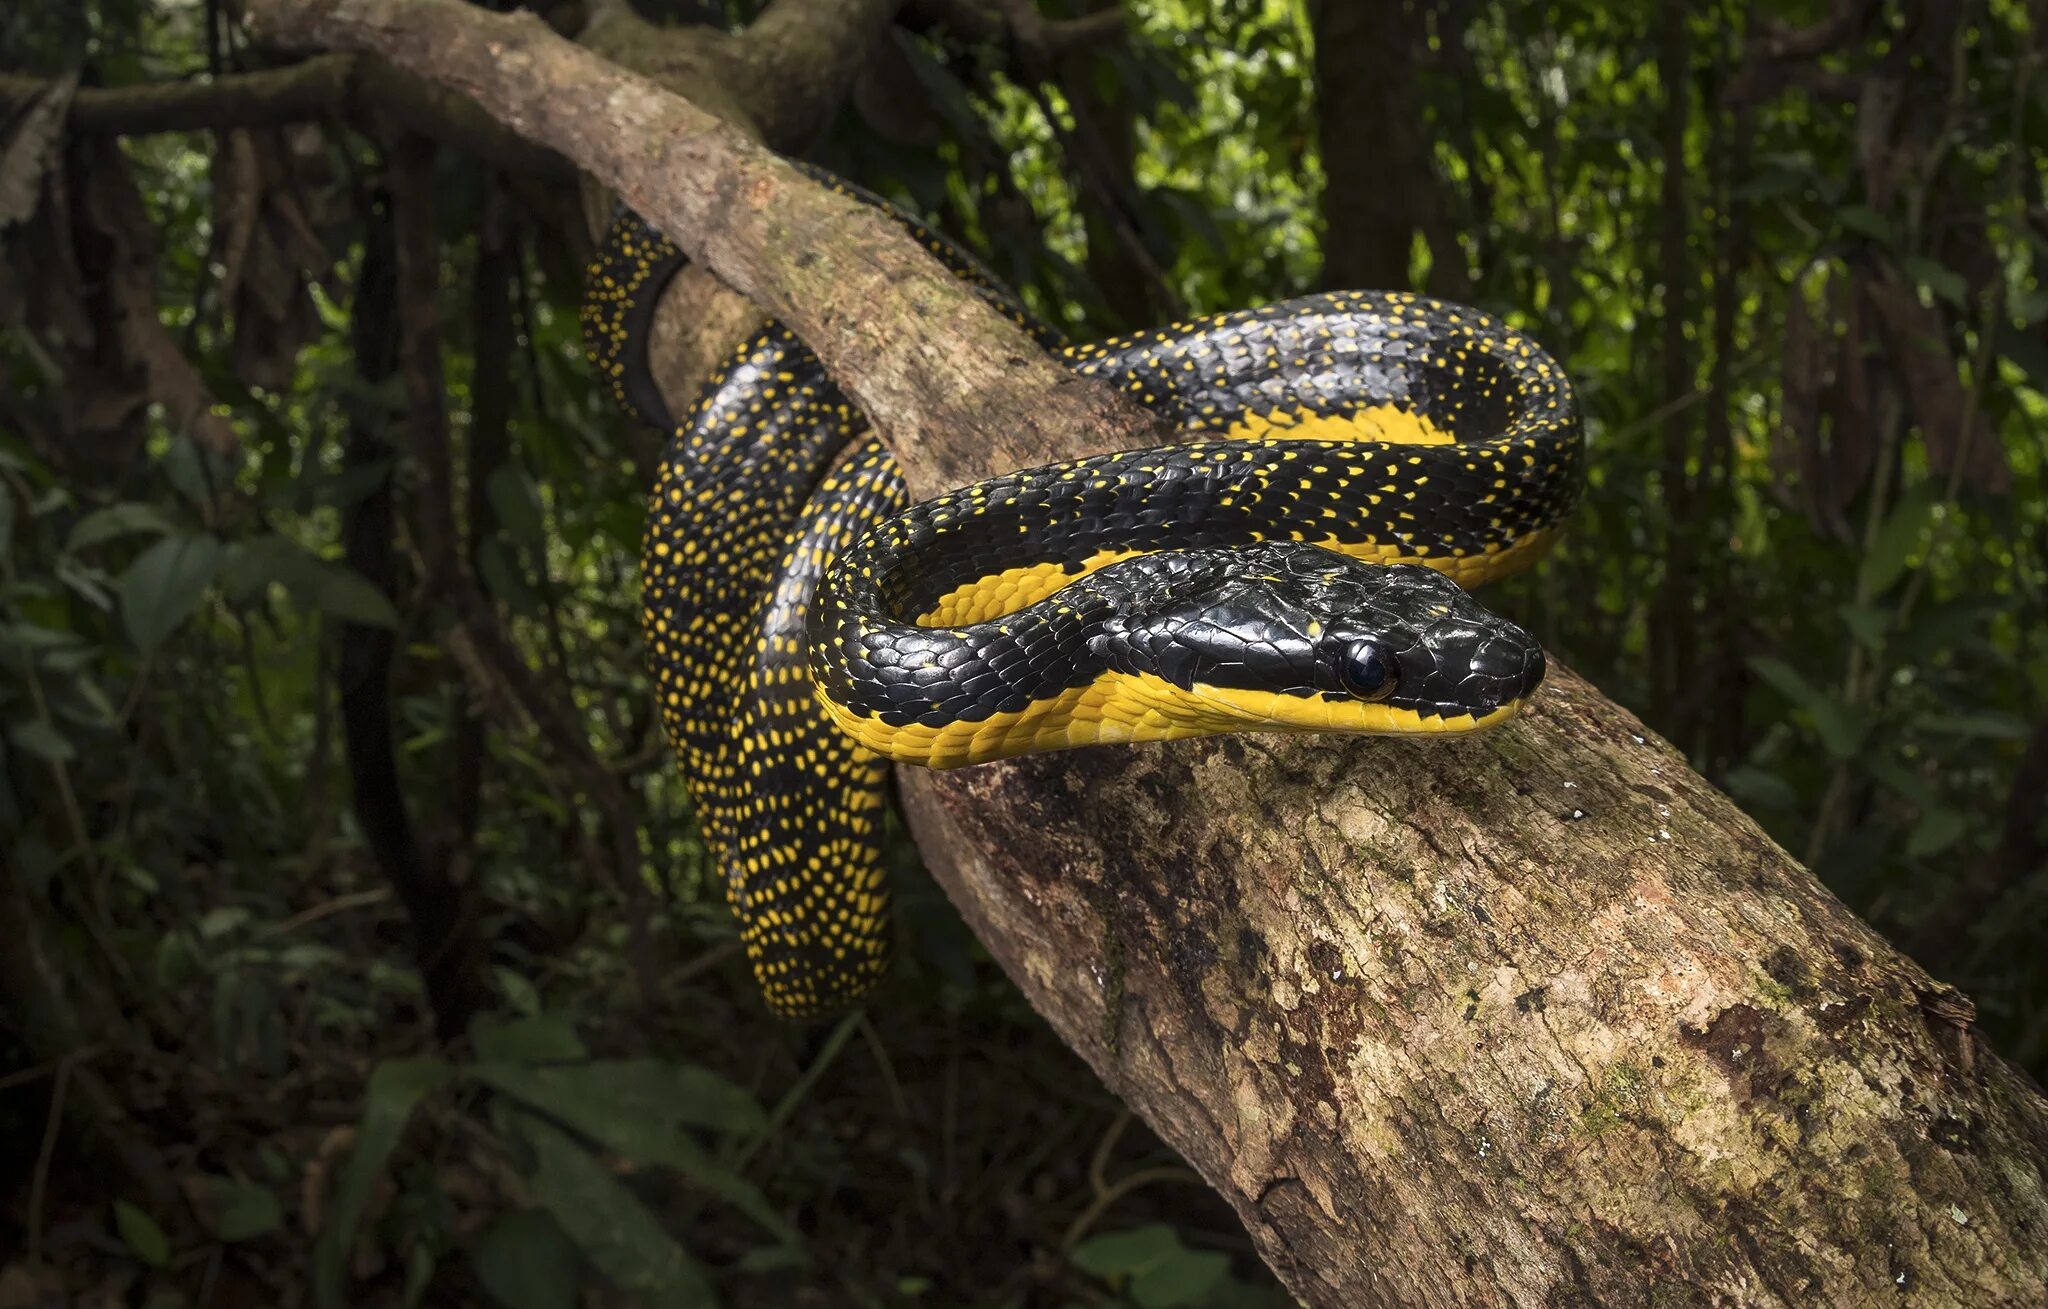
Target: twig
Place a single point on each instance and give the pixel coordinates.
(22, 1077)
(703, 962)
(340, 904)
(787, 1105)
(41, 1179)
(1116, 1191)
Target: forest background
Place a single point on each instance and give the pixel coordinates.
(1788, 255)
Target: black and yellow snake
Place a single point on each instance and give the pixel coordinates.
(805, 624)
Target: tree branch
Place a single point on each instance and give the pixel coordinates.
(335, 84)
(259, 99)
(1537, 1017)
(814, 46)
(388, 317)
(981, 24)
(815, 260)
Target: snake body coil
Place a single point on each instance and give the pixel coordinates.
(1296, 566)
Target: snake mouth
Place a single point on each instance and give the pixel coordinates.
(1227, 708)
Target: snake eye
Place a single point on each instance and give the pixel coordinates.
(1367, 671)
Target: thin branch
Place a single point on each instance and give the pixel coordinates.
(363, 90)
(260, 99)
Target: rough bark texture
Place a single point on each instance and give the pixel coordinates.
(1537, 1018)
(1380, 186)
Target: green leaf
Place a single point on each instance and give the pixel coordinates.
(346, 594)
(1768, 183)
(238, 1211)
(87, 582)
(200, 475)
(638, 1108)
(518, 991)
(611, 1096)
(350, 484)
(1841, 728)
(314, 583)
(396, 1088)
(221, 920)
(542, 1038)
(1936, 831)
(1757, 788)
(1944, 282)
(1864, 219)
(517, 506)
(1120, 1254)
(1901, 782)
(141, 1234)
(526, 1261)
(254, 565)
(102, 525)
(30, 637)
(164, 585)
(1991, 724)
(503, 579)
(1895, 541)
(40, 738)
(1162, 1273)
(613, 1229)
(1867, 623)
(709, 1100)
(1184, 1279)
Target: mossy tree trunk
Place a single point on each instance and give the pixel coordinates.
(1535, 1018)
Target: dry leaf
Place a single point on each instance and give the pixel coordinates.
(31, 149)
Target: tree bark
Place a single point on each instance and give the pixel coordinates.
(1379, 181)
(387, 313)
(1533, 1018)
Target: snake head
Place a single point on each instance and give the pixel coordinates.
(1290, 636)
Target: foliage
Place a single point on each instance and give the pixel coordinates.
(1814, 552)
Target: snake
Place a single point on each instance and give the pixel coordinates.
(1350, 463)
